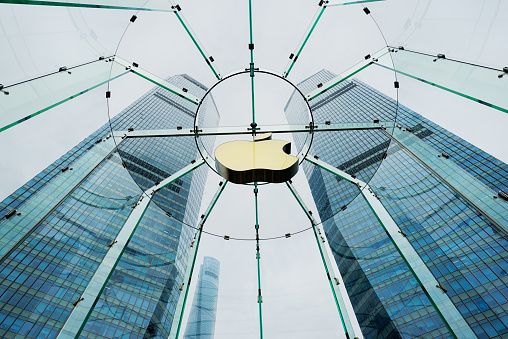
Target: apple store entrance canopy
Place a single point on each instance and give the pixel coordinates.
(70, 67)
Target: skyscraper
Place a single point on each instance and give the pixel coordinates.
(98, 242)
(460, 240)
(201, 323)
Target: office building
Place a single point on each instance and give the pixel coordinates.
(60, 228)
(201, 322)
(462, 247)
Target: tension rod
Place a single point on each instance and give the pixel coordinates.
(260, 298)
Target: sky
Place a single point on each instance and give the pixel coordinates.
(297, 301)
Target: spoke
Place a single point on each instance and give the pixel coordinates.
(444, 307)
(317, 16)
(330, 3)
(258, 257)
(251, 65)
(240, 130)
(487, 86)
(82, 311)
(27, 99)
(337, 294)
(158, 81)
(134, 5)
(208, 58)
(294, 56)
(369, 60)
(180, 307)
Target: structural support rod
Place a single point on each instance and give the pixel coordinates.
(182, 300)
(258, 258)
(15, 230)
(188, 131)
(323, 4)
(127, 5)
(477, 194)
(331, 3)
(294, 56)
(337, 295)
(251, 65)
(158, 81)
(82, 311)
(445, 308)
(208, 58)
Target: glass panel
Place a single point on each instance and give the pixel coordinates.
(470, 188)
(472, 34)
(451, 123)
(330, 48)
(128, 257)
(37, 40)
(481, 84)
(64, 251)
(139, 5)
(333, 279)
(46, 198)
(176, 52)
(361, 151)
(294, 56)
(30, 98)
(346, 74)
(208, 58)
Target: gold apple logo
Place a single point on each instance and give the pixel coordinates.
(261, 160)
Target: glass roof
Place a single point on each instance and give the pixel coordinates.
(59, 59)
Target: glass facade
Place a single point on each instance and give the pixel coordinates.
(466, 253)
(201, 323)
(68, 216)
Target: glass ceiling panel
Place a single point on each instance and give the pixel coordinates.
(485, 85)
(166, 51)
(317, 16)
(206, 56)
(140, 5)
(330, 46)
(480, 125)
(293, 57)
(346, 74)
(37, 40)
(27, 99)
(469, 31)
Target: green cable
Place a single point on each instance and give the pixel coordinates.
(258, 262)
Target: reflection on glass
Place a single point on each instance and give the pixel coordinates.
(27, 99)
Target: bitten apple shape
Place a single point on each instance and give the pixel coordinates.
(262, 160)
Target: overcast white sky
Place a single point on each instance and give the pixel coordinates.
(297, 299)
